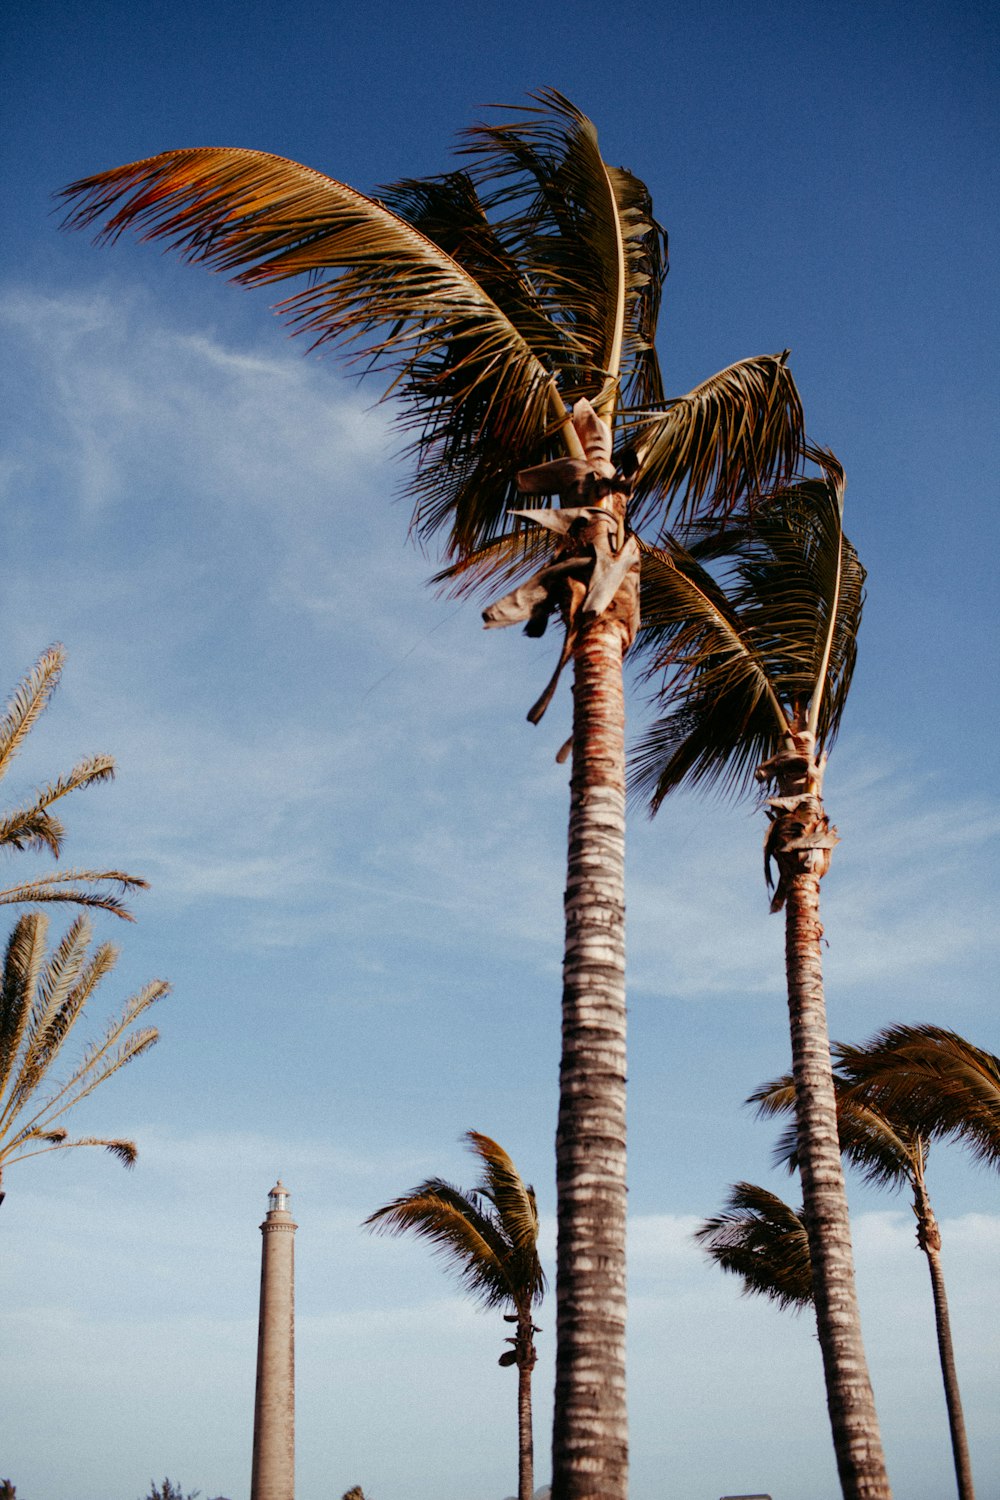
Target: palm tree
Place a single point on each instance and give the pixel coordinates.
(754, 634)
(513, 302)
(894, 1094)
(759, 1238)
(41, 999)
(490, 1236)
(32, 825)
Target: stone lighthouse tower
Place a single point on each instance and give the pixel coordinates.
(273, 1473)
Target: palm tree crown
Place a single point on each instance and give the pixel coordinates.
(752, 631)
(759, 1238)
(41, 999)
(488, 1235)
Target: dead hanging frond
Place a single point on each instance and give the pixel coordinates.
(593, 567)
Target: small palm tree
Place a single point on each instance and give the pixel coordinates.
(33, 825)
(41, 999)
(753, 633)
(490, 1236)
(761, 1239)
(894, 1094)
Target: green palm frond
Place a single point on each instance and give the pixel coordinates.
(723, 717)
(733, 438)
(933, 1081)
(40, 1003)
(752, 646)
(881, 1147)
(488, 1235)
(759, 1238)
(514, 1201)
(597, 255)
(458, 1230)
(28, 701)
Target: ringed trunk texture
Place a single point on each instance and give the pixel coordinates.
(590, 1432)
(851, 1405)
(929, 1240)
(525, 1441)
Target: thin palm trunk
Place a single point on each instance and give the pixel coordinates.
(590, 1434)
(525, 1438)
(850, 1401)
(929, 1240)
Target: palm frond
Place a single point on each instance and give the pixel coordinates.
(28, 701)
(31, 828)
(40, 1003)
(489, 1235)
(513, 1199)
(61, 886)
(22, 968)
(765, 647)
(759, 1238)
(459, 1231)
(509, 559)
(932, 1080)
(597, 255)
(722, 716)
(734, 437)
(395, 298)
(127, 1152)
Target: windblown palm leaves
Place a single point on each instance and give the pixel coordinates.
(42, 997)
(493, 297)
(33, 825)
(757, 647)
(942, 1086)
(759, 1238)
(489, 1235)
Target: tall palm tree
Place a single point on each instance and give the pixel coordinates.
(759, 1238)
(754, 636)
(895, 1093)
(33, 825)
(41, 999)
(513, 302)
(490, 1236)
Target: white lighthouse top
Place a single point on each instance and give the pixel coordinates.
(277, 1198)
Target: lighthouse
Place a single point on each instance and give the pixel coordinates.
(273, 1473)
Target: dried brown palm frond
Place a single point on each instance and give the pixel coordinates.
(42, 997)
(33, 825)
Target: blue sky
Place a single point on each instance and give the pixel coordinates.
(354, 840)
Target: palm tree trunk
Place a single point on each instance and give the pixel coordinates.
(929, 1240)
(525, 1440)
(590, 1432)
(850, 1402)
